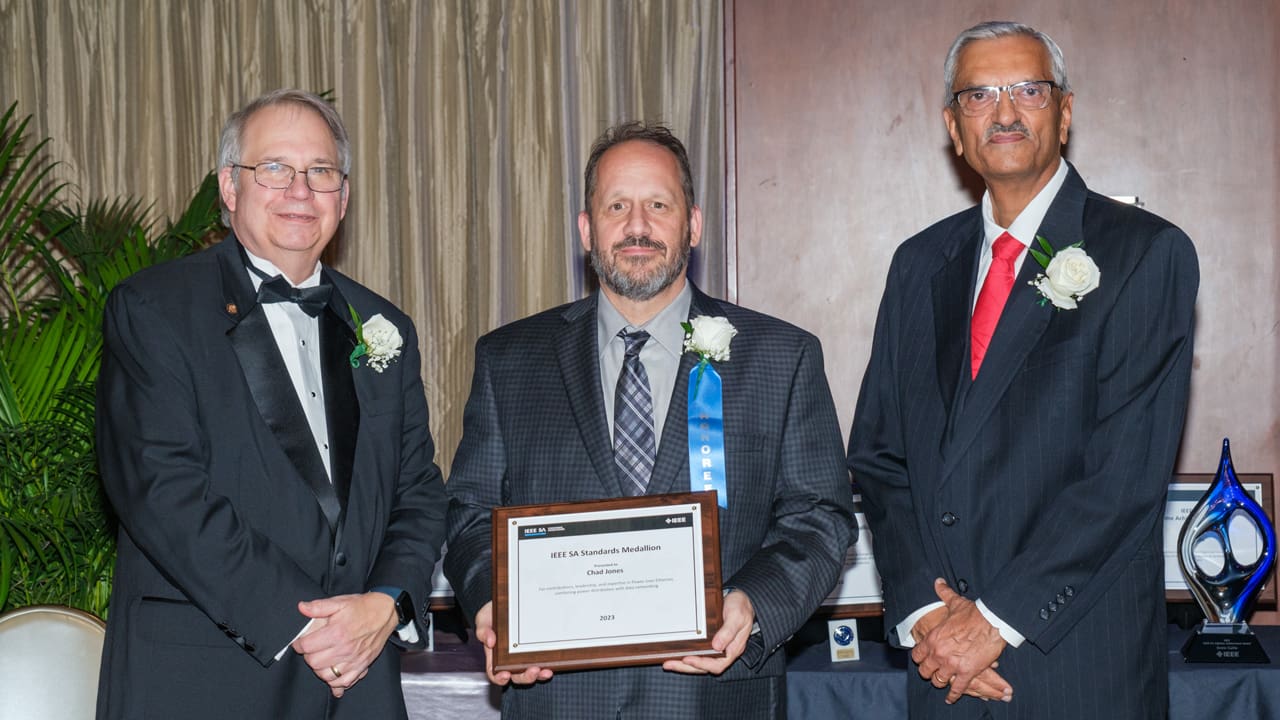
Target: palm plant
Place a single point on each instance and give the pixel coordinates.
(58, 263)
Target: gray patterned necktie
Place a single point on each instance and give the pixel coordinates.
(633, 439)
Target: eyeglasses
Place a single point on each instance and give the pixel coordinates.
(1029, 95)
(278, 176)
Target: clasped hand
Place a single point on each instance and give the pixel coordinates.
(347, 633)
(957, 646)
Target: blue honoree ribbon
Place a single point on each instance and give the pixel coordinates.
(706, 432)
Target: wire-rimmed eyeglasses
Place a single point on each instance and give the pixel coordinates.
(1027, 95)
(278, 176)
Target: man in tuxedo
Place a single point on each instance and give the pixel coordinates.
(1017, 425)
(549, 420)
(268, 455)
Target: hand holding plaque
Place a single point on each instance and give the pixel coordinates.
(1227, 595)
(606, 583)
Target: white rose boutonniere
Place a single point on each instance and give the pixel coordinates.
(1069, 274)
(709, 337)
(376, 339)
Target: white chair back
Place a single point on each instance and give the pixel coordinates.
(49, 659)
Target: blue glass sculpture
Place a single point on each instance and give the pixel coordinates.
(1228, 595)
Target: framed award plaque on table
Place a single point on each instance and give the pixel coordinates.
(626, 581)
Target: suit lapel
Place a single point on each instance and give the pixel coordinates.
(1022, 323)
(579, 359)
(952, 298)
(268, 380)
(671, 468)
(341, 401)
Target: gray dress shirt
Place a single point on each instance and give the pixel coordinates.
(660, 355)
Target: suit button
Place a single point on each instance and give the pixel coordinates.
(340, 559)
(1053, 606)
(1062, 599)
(962, 585)
(949, 518)
(249, 647)
(1044, 614)
(1069, 591)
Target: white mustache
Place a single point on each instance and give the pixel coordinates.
(1015, 127)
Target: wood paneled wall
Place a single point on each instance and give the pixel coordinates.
(841, 154)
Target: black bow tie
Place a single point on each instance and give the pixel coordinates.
(312, 300)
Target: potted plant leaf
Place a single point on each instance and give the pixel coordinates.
(58, 262)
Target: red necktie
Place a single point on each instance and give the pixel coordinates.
(991, 299)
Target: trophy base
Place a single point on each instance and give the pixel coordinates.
(1224, 643)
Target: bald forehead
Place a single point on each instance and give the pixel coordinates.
(294, 125)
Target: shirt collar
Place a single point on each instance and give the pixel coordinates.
(269, 268)
(1024, 226)
(664, 328)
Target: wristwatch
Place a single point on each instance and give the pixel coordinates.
(404, 604)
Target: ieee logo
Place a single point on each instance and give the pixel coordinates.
(843, 635)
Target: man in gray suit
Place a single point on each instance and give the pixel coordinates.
(1018, 424)
(538, 428)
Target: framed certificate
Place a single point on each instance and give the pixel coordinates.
(857, 592)
(627, 581)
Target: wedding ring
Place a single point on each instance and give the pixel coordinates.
(336, 674)
(936, 679)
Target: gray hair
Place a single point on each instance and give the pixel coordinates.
(232, 137)
(657, 134)
(998, 29)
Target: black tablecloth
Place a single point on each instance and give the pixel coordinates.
(875, 686)
(450, 682)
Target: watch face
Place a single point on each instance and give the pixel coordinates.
(404, 608)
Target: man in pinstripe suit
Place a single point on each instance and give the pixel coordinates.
(1014, 438)
(537, 429)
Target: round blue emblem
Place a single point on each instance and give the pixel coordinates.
(843, 635)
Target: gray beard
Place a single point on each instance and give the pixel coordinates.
(640, 290)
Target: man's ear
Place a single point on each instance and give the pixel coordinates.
(953, 129)
(695, 226)
(1064, 125)
(584, 230)
(227, 188)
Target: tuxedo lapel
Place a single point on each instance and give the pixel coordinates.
(268, 380)
(341, 401)
(578, 356)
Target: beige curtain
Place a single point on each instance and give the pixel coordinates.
(470, 124)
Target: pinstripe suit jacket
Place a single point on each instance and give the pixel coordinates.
(535, 432)
(1038, 487)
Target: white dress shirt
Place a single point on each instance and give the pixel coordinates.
(1023, 229)
(297, 335)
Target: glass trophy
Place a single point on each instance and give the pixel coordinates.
(1226, 595)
